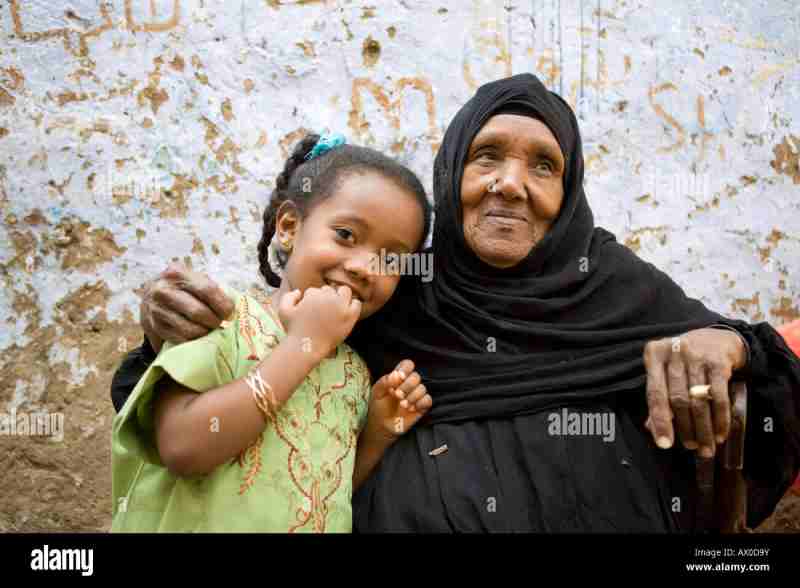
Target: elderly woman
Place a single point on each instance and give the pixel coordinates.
(535, 320)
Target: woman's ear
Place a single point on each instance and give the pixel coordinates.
(287, 224)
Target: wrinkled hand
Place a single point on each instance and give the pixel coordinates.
(399, 400)
(674, 365)
(181, 305)
(320, 317)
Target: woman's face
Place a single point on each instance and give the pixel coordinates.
(522, 156)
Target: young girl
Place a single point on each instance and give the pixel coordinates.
(268, 423)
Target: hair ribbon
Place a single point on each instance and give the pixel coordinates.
(325, 143)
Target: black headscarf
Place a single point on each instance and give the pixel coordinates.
(567, 324)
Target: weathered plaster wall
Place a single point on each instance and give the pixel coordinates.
(137, 131)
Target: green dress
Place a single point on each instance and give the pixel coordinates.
(296, 477)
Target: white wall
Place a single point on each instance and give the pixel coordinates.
(137, 131)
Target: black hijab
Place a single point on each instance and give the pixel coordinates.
(567, 324)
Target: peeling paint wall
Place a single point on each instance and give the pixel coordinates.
(133, 132)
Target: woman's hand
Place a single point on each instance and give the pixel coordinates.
(674, 366)
(320, 318)
(181, 305)
(399, 400)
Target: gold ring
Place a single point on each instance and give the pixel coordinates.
(701, 392)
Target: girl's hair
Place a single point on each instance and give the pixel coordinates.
(306, 183)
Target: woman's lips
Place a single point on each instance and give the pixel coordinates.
(506, 215)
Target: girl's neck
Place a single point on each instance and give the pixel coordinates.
(276, 297)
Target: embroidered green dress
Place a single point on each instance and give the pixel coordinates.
(296, 477)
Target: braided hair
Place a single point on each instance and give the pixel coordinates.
(306, 183)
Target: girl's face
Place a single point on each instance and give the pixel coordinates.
(340, 239)
(522, 160)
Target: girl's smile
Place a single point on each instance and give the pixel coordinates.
(340, 236)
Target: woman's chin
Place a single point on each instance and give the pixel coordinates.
(502, 252)
(501, 259)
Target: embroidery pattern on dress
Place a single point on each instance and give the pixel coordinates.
(316, 450)
(247, 329)
(270, 339)
(315, 479)
(252, 453)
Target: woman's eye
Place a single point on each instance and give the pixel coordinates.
(544, 167)
(485, 156)
(345, 234)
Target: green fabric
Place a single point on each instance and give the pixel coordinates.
(296, 478)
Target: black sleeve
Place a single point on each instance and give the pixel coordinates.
(772, 437)
(130, 372)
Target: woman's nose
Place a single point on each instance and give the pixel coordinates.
(511, 183)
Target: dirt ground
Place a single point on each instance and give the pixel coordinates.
(786, 518)
(50, 486)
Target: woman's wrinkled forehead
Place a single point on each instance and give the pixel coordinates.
(513, 131)
(521, 109)
(519, 94)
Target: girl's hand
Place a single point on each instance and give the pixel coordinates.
(320, 318)
(399, 400)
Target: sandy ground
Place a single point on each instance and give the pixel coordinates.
(786, 518)
(49, 486)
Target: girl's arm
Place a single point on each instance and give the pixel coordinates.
(369, 452)
(397, 402)
(195, 433)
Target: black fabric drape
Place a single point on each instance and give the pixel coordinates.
(566, 326)
(568, 322)
(130, 372)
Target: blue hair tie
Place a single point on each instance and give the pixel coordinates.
(325, 143)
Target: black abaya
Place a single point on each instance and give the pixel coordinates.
(501, 349)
